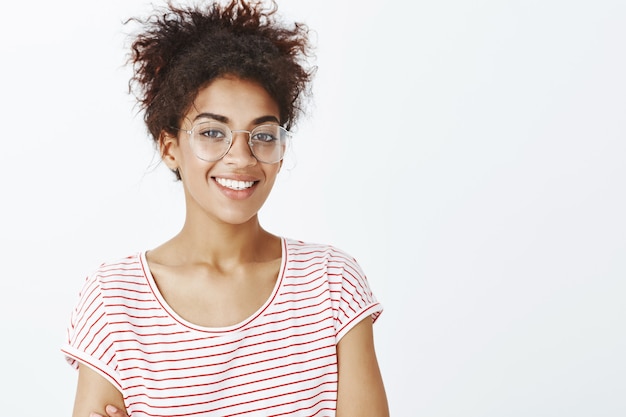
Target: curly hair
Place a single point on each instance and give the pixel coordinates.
(182, 49)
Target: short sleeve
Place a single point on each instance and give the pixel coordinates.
(354, 300)
(88, 338)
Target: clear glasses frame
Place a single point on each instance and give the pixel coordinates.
(212, 140)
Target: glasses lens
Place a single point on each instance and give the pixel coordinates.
(211, 140)
(268, 143)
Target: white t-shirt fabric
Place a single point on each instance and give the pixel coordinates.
(280, 361)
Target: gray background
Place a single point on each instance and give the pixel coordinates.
(470, 155)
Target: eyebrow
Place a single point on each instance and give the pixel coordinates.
(224, 119)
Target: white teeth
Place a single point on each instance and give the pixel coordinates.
(234, 184)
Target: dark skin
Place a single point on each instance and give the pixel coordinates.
(231, 274)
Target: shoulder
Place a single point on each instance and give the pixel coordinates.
(348, 288)
(337, 266)
(113, 288)
(111, 273)
(299, 250)
(121, 264)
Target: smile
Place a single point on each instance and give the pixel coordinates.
(234, 184)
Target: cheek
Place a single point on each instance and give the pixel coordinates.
(272, 173)
(193, 168)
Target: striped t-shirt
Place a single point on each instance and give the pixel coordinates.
(281, 361)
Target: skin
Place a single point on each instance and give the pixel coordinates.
(222, 249)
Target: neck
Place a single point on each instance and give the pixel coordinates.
(209, 241)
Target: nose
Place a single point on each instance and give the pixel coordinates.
(240, 153)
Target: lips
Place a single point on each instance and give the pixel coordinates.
(234, 184)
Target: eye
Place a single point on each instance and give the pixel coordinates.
(264, 137)
(266, 134)
(211, 132)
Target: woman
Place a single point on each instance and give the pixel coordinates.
(225, 318)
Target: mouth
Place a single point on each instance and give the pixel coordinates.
(234, 184)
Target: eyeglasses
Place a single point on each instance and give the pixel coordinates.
(211, 141)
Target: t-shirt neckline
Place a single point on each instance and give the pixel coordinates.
(226, 329)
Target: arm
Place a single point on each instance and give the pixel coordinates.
(361, 392)
(93, 392)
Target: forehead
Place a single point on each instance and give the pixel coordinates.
(234, 99)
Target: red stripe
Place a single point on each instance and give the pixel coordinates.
(280, 361)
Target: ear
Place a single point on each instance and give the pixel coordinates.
(168, 148)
